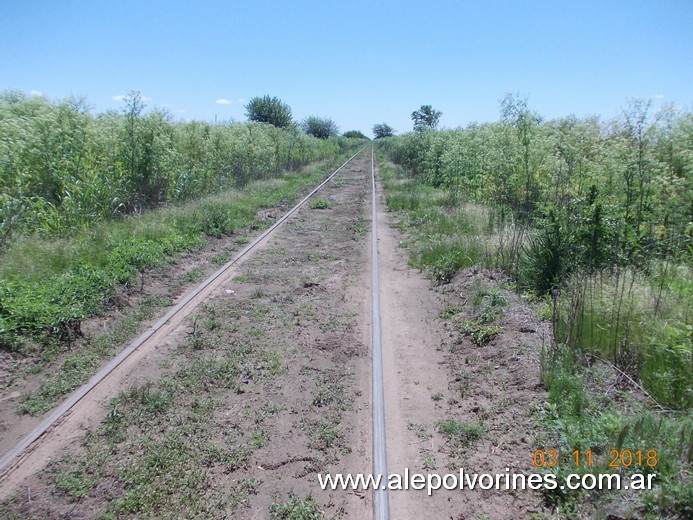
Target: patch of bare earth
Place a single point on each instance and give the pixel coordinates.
(497, 387)
(262, 387)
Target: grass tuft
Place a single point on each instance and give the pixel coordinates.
(320, 203)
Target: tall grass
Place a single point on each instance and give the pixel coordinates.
(449, 234)
(63, 169)
(610, 314)
(590, 216)
(591, 409)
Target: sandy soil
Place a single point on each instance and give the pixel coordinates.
(413, 370)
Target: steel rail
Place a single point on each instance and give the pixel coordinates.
(381, 501)
(39, 430)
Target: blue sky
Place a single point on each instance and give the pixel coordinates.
(357, 62)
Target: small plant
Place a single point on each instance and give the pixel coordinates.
(444, 269)
(419, 430)
(489, 301)
(361, 226)
(324, 434)
(545, 312)
(459, 433)
(76, 481)
(246, 277)
(428, 460)
(320, 203)
(330, 392)
(223, 257)
(296, 508)
(488, 315)
(192, 276)
(450, 311)
(496, 298)
(481, 334)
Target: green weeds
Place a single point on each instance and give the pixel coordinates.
(447, 236)
(320, 203)
(605, 247)
(331, 400)
(43, 304)
(65, 169)
(451, 311)
(611, 316)
(419, 430)
(459, 433)
(296, 508)
(192, 276)
(78, 366)
(76, 276)
(480, 334)
(155, 429)
(361, 226)
(593, 409)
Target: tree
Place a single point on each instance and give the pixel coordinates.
(426, 118)
(383, 130)
(356, 134)
(270, 110)
(320, 127)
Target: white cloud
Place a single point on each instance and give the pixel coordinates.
(123, 97)
(36, 93)
(223, 101)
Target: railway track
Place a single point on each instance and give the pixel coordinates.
(280, 379)
(381, 502)
(12, 460)
(42, 443)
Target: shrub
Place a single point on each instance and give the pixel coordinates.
(320, 203)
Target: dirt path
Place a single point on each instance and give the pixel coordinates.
(414, 371)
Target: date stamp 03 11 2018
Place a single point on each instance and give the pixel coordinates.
(586, 458)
